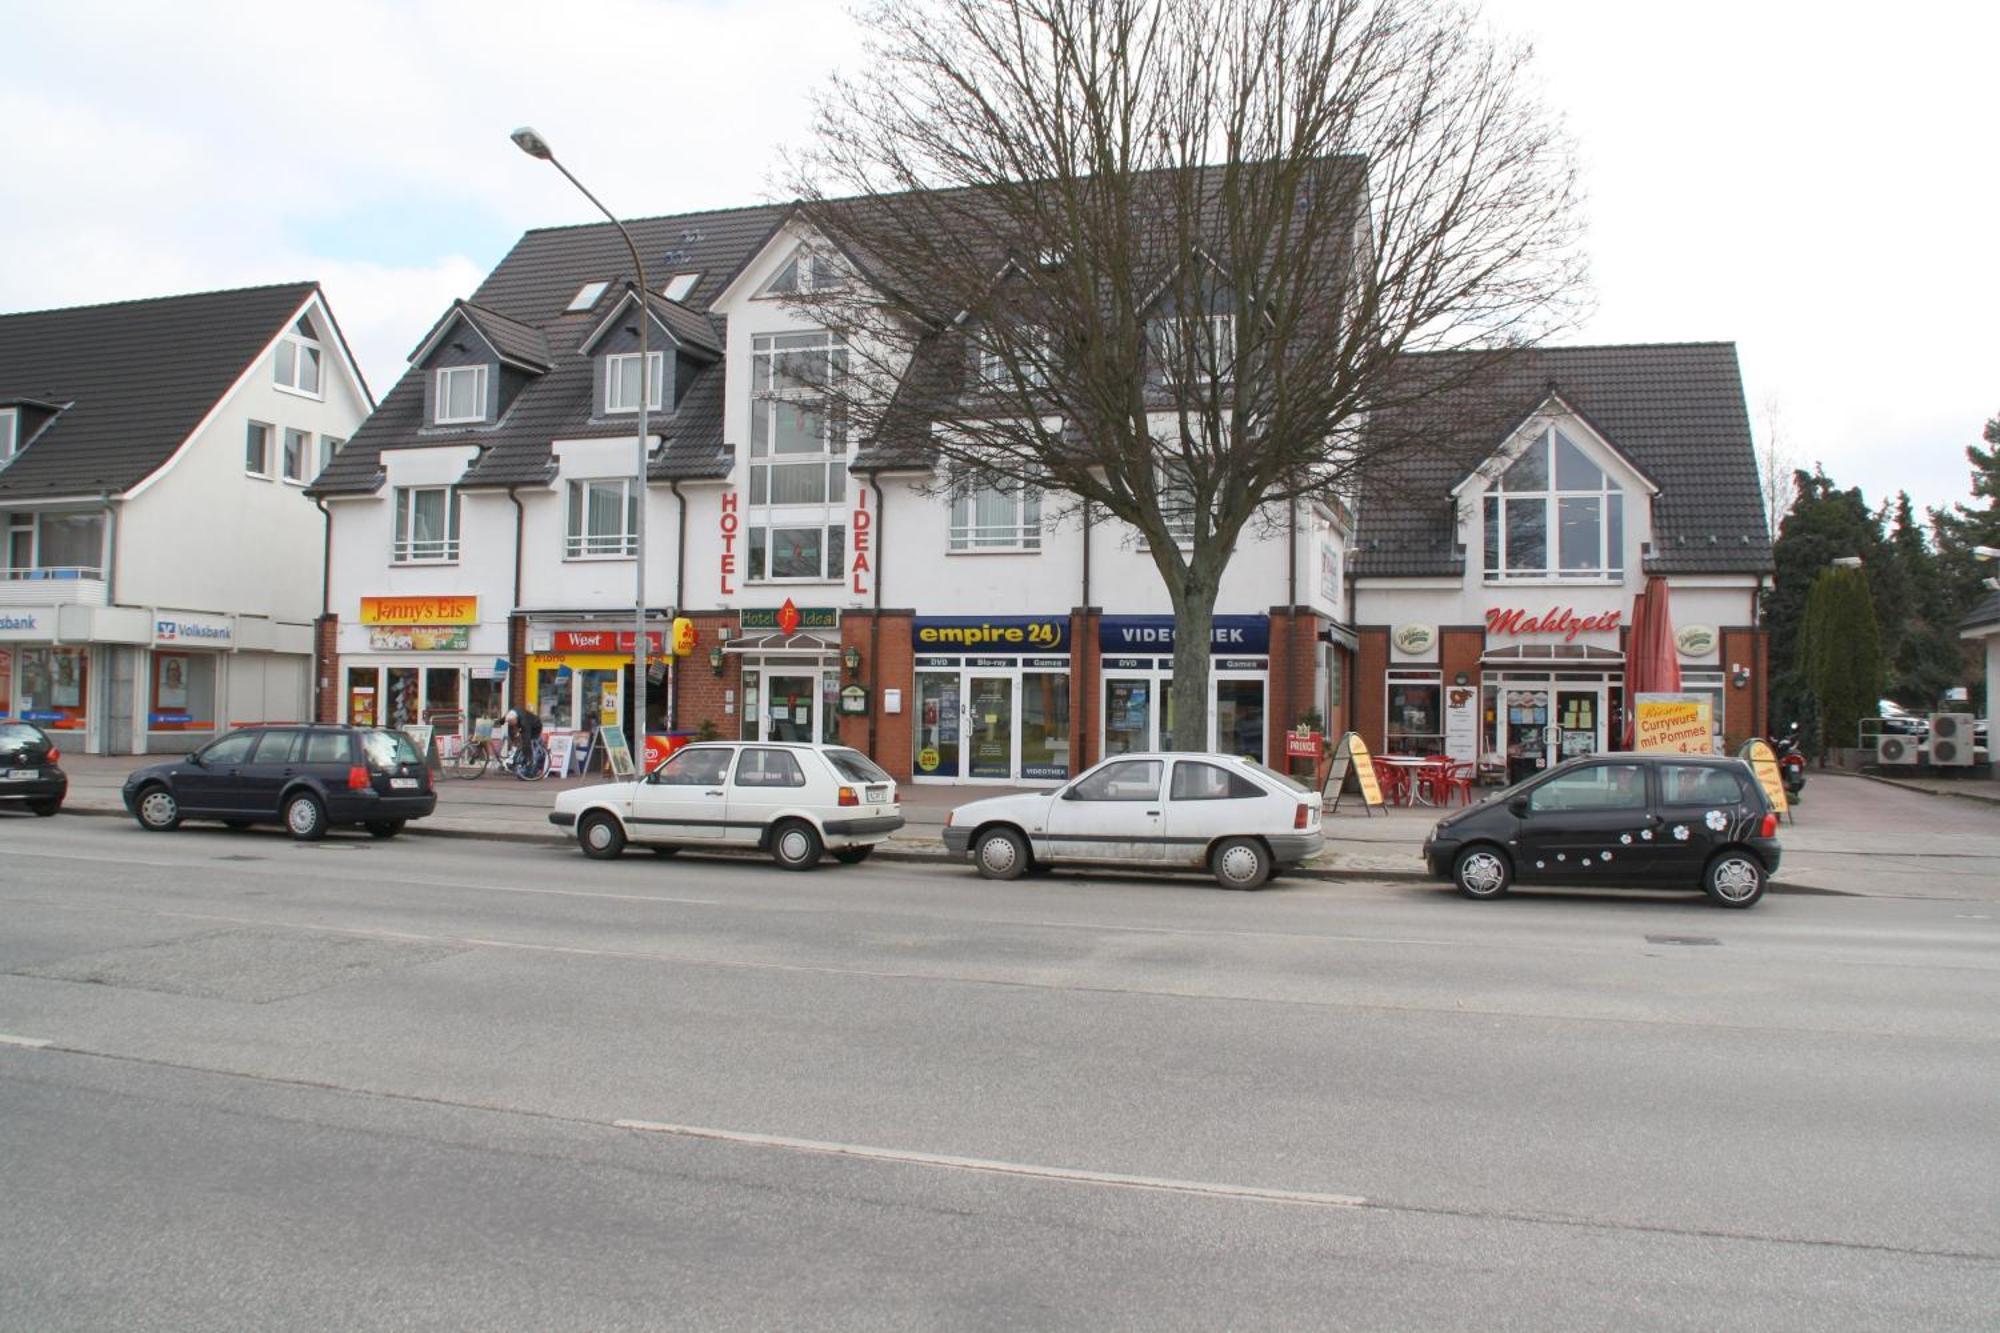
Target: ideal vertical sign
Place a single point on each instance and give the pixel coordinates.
(864, 523)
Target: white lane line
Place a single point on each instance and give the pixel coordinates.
(1029, 1169)
(32, 1043)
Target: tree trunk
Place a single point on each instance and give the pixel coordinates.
(1187, 697)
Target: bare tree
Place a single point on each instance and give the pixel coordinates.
(1777, 461)
(1160, 257)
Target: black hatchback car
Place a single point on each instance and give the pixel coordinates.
(1640, 820)
(28, 772)
(308, 778)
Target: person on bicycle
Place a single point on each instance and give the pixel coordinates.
(524, 729)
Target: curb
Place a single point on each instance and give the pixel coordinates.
(1979, 798)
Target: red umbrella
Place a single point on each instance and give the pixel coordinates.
(1663, 661)
(1634, 680)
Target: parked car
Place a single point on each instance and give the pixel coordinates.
(308, 778)
(795, 801)
(28, 772)
(1233, 817)
(1643, 820)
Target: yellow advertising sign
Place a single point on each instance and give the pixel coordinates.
(1764, 763)
(1352, 753)
(1673, 723)
(685, 637)
(420, 610)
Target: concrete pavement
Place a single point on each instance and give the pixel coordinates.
(1852, 835)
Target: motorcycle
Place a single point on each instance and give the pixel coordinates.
(1791, 762)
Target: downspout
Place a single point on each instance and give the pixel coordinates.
(875, 621)
(680, 602)
(520, 528)
(325, 607)
(110, 598)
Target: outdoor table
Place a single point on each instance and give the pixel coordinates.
(1415, 763)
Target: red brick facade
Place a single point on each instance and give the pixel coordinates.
(326, 669)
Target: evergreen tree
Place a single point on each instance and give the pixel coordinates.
(1923, 651)
(1823, 524)
(1964, 526)
(1840, 653)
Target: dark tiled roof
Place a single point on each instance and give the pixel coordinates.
(531, 288)
(133, 380)
(1986, 613)
(1674, 409)
(511, 338)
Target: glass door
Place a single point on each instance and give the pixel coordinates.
(1527, 731)
(789, 702)
(937, 729)
(1128, 714)
(1578, 723)
(989, 727)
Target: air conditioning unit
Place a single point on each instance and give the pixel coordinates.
(1951, 740)
(1892, 748)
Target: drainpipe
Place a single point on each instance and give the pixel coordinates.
(680, 603)
(520, 526)
(875, 621)
(111, 548)
(101, 705)
(325, 606)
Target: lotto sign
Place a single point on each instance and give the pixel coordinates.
(1673, 723)
(684, 636)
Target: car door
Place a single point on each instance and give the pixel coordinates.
(1592, 822)
(766, 780)
(1699, 805)
(1206, 801)
(208, 782)
(1112, 813)
(262, 778)
(684, 799)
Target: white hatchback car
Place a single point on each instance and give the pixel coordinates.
(1231, 816)
(793, 801)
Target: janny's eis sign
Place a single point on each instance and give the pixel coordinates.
(1556, 620)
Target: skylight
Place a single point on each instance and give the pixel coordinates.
(679, 286)
(586, 295)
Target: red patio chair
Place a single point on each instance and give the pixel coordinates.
(1459, 780)
(1394, 780)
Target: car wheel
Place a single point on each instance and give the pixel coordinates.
(384, 828)
(853, 856)
(305, 817)
(1735, 878)
(1001, 853)
(1482, 871)
(45, 808)
(796, 845)
(158, 811)
(600, 837)
(1240, 863)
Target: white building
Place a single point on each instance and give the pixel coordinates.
(163, 561)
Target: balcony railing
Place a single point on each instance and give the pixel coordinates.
(42, 585)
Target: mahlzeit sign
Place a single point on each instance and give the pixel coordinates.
(1562, 621)
(420, 610)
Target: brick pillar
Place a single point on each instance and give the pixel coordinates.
(891, 667)
(1371, 686)
(1742, 709)
(1294, 676)
(517, 660)
(326, 668)
(1086, 671)
(702, 697)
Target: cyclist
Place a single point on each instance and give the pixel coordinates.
(524, 734)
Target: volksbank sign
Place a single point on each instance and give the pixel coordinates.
(36, 624)
(184, 630)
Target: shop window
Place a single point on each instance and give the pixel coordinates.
(1554, 514)
(364, 696)
(552, 699)
(401, 705)
(1128, 714)
(183, 697)
(486, 702)
(53, 684)
(1416, 713)
(1044, 725)
(1239, 717)
(603, 518)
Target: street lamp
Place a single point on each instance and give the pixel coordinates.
(534, 145)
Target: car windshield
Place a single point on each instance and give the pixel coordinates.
(1276, 776)
(386, 749)
(856, 766)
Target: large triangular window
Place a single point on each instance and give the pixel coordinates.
(1554, 514)
(807, 271)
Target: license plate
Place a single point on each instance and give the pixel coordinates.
(401, 783)
(877, 795)
(23, 774)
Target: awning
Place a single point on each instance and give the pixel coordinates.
(784, 645)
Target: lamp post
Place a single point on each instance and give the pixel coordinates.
(534, 145)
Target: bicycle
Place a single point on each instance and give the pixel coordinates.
(478, 754)
(532, 766)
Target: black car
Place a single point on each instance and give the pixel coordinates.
(1644, 820)
(28, 772)
(308, 778)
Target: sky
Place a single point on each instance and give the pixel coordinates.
(1813, 181)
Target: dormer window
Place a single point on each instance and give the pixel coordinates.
(621, 381)
(461, 395)
(1553, 513)
(679, 286)
(586, 296)
(296, 364)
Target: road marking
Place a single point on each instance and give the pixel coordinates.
(1069, 1174)
(32, 1043)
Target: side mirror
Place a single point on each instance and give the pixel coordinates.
(1518, 807)
(193, 758)
(1069, 794)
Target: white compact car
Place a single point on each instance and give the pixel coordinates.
(1233, 817)
(793, 801)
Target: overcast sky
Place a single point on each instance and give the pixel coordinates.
(1813, 181)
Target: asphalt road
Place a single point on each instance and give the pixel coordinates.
(437, 1083)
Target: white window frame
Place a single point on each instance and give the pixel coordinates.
(298, 344)
(267, 455)
(442, 395)
(30, 522)
(303, 438)
(1168, 336)
(405, 549)
(10, 433)
(832, 551)
(579, 543)
(1497, 499)
(618, 365)
(965, 535)
(816, 273)
(771, 395)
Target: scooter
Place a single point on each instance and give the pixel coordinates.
(1791, 762)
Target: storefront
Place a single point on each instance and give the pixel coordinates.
(42, 681)
(789, 662)
(184, 678)
(580, 678)
(423, 661)
(1137, 705)
(992, 698)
